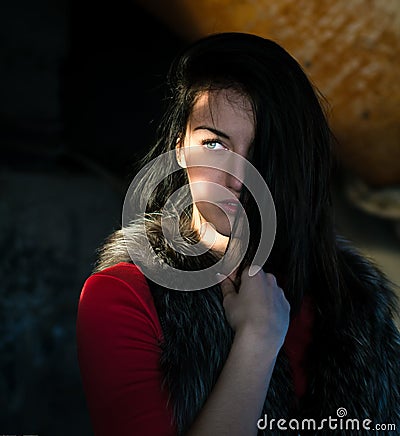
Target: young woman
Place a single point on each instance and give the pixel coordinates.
(157, 359)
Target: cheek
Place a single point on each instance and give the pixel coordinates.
(199, 174)
(200, 180)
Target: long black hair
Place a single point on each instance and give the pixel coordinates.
(292, 151)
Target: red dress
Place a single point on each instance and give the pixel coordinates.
(118, 339)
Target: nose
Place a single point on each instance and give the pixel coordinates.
(235, 174)
(234, 184)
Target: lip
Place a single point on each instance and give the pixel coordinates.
(229, 206)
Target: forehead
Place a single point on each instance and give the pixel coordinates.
(224, 108)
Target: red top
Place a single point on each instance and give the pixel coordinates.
(118, 338)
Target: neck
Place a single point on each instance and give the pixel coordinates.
(209, 236)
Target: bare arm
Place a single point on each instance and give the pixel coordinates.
(259, 314)
(235, 403)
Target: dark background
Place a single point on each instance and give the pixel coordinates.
(81, 92)
(81, 89)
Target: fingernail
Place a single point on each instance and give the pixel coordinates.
(253, 270)
(220, 277)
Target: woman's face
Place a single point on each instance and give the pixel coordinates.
(221, 122)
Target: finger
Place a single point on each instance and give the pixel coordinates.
(227, 286)
(253, 270)
(271, 279)
(233, 275)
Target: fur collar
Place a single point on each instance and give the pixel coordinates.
(352, 363)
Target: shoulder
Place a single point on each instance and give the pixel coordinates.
(365, 280)
(119, 290)
(119, 348)
(126, 272)
(370, 308)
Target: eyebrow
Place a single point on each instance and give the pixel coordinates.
(212, 130)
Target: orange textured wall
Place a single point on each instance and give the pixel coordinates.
(349, 48)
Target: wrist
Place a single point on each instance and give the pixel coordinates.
(257, 343)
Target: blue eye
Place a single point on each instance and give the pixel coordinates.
(213, 144)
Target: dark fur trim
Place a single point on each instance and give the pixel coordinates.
(353, 362)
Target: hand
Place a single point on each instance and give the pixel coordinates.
(259, 307)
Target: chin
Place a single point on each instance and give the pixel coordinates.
(224, 231)
(218, 220)
(221, 225)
